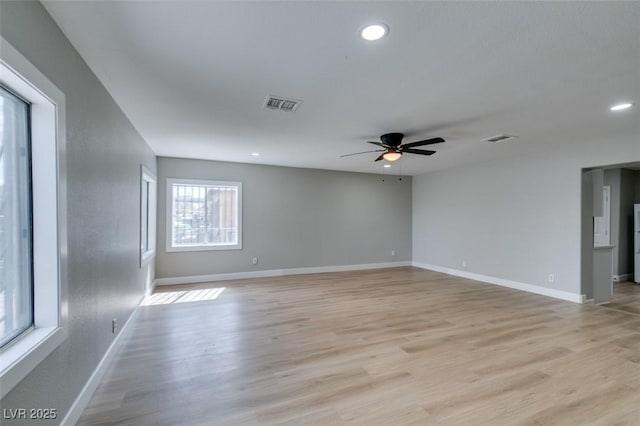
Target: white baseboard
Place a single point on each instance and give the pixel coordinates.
(558, 294)
(74, 413)
(274, 273)
(622, 277)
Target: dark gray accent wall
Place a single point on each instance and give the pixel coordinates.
(104, 154)
(622, 183)
(586, 234)
(295, 218)
(612, 180)
(625, 237)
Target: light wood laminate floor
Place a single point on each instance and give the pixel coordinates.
(626, 297)
(385, 347)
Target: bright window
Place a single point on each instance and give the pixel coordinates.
(33, 229)
(147, 216)
(16, 284)
(203, 215)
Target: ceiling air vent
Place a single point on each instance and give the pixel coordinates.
(281, 103)
(499, 138)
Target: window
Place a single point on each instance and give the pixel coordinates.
(16, 285)
(32, 217)
(203, 215)
(147, 216)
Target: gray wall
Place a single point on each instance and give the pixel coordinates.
(104, 153)
(517, 219)
(294, 218)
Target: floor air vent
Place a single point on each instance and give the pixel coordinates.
(281, 103)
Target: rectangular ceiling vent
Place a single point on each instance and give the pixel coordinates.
(281, 103)
(499, 138)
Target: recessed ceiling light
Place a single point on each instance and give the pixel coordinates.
(255, 154)
(374, 32)
(622, 106)
(386, 166)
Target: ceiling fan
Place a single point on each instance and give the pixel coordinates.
(393, 150)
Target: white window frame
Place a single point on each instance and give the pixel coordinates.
(48, 163)
(148, 212)
(169, 216)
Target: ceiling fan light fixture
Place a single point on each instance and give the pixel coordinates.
(392, 155)
(374, 32)
(393, 148)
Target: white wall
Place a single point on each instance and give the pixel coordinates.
(295, 218)
(517, 219)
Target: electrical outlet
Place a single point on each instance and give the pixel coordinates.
(114, 325)
(254, 261)
(464, 263)
(551, 278)
(393, 252)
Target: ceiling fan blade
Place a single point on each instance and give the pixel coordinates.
(418, 151)
(363, 152)
(422, 143)
(380, 157)
(379, 144)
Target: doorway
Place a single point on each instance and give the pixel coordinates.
(609, 194)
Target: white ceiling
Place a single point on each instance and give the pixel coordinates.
(192, 76)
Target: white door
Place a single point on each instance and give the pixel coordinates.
(602, 224)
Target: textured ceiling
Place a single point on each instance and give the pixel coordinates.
(192, 76)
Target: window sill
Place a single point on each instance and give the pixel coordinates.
(205, 248)
(22, 356)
